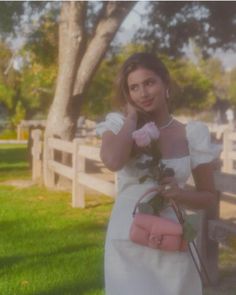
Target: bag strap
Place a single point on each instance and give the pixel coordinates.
(204, 273)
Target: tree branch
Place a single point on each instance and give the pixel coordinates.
(110, 21)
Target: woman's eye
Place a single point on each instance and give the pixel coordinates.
(150, 82)
(134, 88)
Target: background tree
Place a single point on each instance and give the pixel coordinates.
(192, 88)
(171, 24)
(82, 45)
(232, 87)
(10, 98)
(39, 70)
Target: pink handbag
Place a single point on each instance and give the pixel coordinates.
(157, 232)
(165, 234)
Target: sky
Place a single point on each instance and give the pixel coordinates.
(133, 21)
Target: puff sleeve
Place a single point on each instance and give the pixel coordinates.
(113, 122)
(201, 149)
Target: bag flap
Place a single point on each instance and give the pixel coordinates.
(157, 225)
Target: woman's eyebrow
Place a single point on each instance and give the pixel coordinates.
(144, 81)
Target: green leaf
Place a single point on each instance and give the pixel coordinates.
(158, 203)
(189, 231)
(143, 178)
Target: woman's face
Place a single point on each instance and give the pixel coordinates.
(146, 89)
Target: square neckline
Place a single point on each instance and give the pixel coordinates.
(181, 157)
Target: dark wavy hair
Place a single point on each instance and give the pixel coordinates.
(139, 60)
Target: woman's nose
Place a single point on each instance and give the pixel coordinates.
(143, 92)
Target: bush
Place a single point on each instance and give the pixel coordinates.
(8, 134)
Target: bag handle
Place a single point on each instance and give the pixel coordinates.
(151, 190)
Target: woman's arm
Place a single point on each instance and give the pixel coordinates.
(203, 197)
(115, 149)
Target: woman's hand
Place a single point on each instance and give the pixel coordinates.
(170, 188)
(131, 111)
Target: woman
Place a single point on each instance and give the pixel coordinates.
(131, 269)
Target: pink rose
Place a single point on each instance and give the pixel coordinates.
(152, 130)
(141, 137)
(146, 134)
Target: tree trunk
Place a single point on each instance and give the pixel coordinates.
(71, 35)
(77, 66)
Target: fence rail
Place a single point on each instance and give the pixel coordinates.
(212, 229)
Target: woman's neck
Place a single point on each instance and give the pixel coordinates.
(162, 118)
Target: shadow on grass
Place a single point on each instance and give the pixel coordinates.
(13, 162)
(9, 261)
(13, 155)
(75, 289)
(52, 242)
(15, 168)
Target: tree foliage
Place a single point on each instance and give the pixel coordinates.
(9, 85)
(171, 24)
(192, 88)
(39, 72)
(15, 15)
(232, 87)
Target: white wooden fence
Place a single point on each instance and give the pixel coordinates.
(76, 173)
(228, 155)
(212, 230)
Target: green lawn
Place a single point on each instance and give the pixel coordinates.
(13, 162)
(46, 246)
(49, 248)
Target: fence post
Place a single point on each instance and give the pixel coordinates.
(37, 155)
(209, 249)
(78, 164)
(49, 174)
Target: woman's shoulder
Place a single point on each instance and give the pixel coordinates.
(196, 132)
(202, 150)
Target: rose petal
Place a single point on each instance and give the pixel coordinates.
(141, 137)
(152, 130)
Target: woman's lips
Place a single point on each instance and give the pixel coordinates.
(147, 102)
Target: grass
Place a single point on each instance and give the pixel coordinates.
(13, 162)
(49, 248)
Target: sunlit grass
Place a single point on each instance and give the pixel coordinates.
(48, 247)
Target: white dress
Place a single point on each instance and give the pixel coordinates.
(131, 269)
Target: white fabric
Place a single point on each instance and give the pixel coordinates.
(200, 147)
(113, 122)
(131, 269)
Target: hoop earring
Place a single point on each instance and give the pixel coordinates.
(167, 93)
